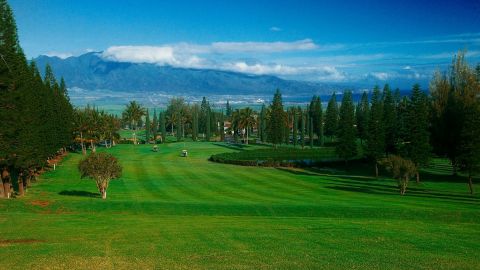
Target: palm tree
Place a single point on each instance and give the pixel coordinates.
(132, 114)
(81, 126)
(235, 124)
(247, 120)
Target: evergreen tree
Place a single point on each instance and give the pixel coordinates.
(310, 132)
(287, 128)
(331, 117)
(155, 125)
(195, 110)
(222, 127)
(204, 109)
(263, 125)
(451, 94)
(208, 125)
(376, 131)
(389, 117)
(346, 147)
(302, 128)
(295, 127)
(179, 127)
(319, 120)
(418, 146)
(228, 109)
(147, 127)
(316, 114)
(362, 115)
(163, 129)
(469, 157)
(276, 123)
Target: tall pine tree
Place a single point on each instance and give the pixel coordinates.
(276, 123)
(346, 147)
(331, 117)
(375, 147)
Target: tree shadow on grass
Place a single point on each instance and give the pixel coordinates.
(296, 172)
(380, 189)
(233, 146)
(79, 193)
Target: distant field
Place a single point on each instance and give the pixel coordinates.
(169, 212)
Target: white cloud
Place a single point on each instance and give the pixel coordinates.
(275, 29)
(141, 54)
(383, 76)
(263, 47)
(59, 54)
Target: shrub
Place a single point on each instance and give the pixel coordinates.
(401, 169)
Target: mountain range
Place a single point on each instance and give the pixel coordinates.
(91, 71)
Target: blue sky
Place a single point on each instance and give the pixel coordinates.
(352, 42)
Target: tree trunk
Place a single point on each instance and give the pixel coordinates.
(82, 143)
(104, 194)
(2, 190)
(376, 169)
(93, 146)
(6, 188)
(418, 176)
(247, 134)
(470, 184)
(20, 185)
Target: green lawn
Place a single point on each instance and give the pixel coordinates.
(168, 212)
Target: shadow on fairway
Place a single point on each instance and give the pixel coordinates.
(233, 146)
(355, 185)
(79, 193)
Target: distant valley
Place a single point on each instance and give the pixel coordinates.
(95, 80)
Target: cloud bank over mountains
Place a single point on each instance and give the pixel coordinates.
(304, 59)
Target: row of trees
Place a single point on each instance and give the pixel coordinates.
(35, 114)
(92, 126)
(179, 119)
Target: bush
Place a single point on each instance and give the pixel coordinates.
(401, 169)
(281, 157)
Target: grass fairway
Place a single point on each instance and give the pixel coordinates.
(168, 212)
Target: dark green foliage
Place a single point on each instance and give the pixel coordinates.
(402, 127)
(375, 147)
(178, 127)
(163, 128)
(310, 132)
(132, 115)
(389, 117)
(195, 111)
(346, 147)
(222, 127)
(228, 108)
(316, 113)
(35, 115)
(302, 127)
(204, 109)
(155, 125)
(147, 126)
(277, 121)
(295, 126)
(282, 156)
(417, 144)
(469, 145)
(451, 94)
(331, 116)
(263, 124)
(208, 125)
(362, 116)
